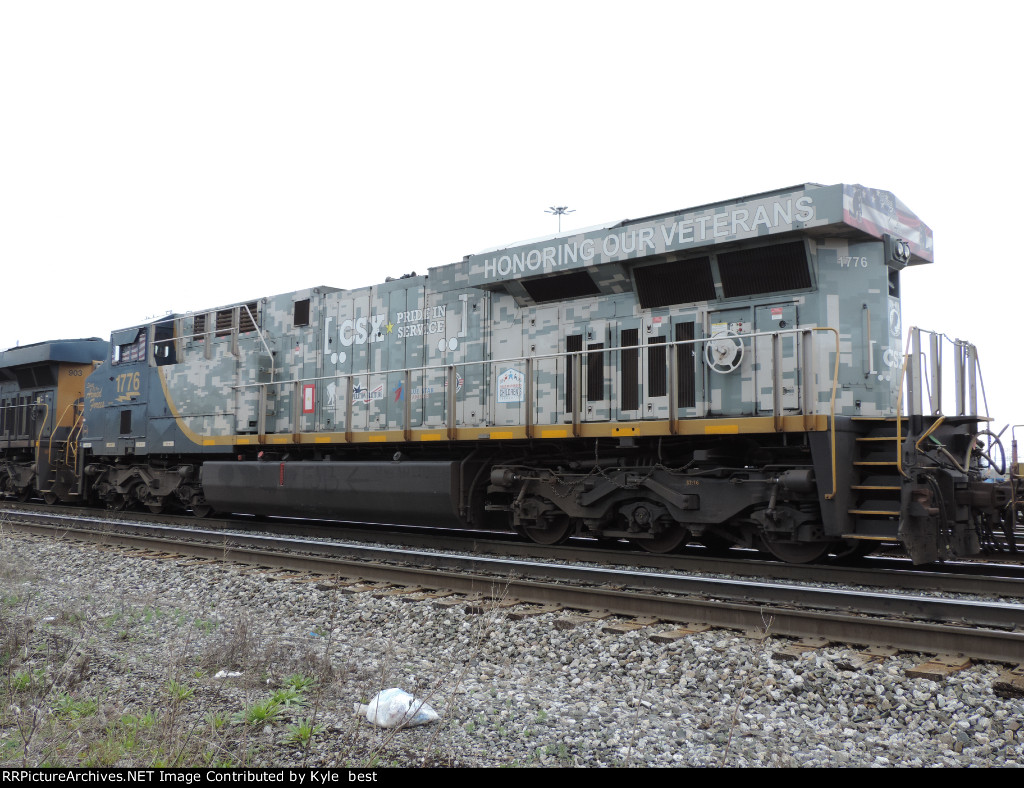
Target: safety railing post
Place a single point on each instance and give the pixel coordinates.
(958, 378)
(776, 383)
(407, 405)
(450, 414)
(972, 378)
(914, 396)
(528, 398)
(577, 392)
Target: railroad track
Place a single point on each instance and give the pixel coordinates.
(993, 578)
(988, 630)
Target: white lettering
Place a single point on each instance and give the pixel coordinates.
(635, 241)
(346, 325)
(375, 332)
(761, 217)
(805, 209)
(784, 214)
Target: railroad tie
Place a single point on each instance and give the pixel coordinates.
(938, 668)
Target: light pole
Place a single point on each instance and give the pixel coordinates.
(560, 211)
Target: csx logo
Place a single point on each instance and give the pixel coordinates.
(361, 330)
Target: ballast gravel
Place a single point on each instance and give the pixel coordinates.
(144, 635)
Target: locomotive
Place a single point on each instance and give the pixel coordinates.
(729, 374)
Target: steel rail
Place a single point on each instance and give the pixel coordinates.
(970, 577)
(964, 578)
(706, 602)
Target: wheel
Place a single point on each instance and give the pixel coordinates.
(155, 508)
(671, 538)
(50, 498)
(202, 510)
(795, 552)
(549, 529)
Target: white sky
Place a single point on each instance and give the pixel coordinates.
(161, 157)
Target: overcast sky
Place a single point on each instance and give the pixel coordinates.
(161, 157)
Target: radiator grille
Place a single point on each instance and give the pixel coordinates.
(765, 270)
(677, 282)
(563, 286)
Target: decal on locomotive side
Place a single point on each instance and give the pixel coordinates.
(659, 237)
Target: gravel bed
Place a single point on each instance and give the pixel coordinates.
(136, 636)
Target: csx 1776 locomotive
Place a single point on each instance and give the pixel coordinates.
(730, 374)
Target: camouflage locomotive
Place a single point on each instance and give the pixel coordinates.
(730, 374)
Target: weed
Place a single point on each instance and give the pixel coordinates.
(66, 707)
(178, 692)
(299, 682)
(302, 732)
(288, 697)
(264, 713)
(25, 680)
(216, 720)
(762, 647)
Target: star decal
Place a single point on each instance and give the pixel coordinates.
(389, 326)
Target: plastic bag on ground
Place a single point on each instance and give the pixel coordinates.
(396, 708)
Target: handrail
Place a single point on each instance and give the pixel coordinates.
(49, 447)
(573, 358)
(967, 375)
(71, 447)
(535, 358)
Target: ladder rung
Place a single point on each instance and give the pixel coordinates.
(874, 512)
(879, 462)
(894, 487)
